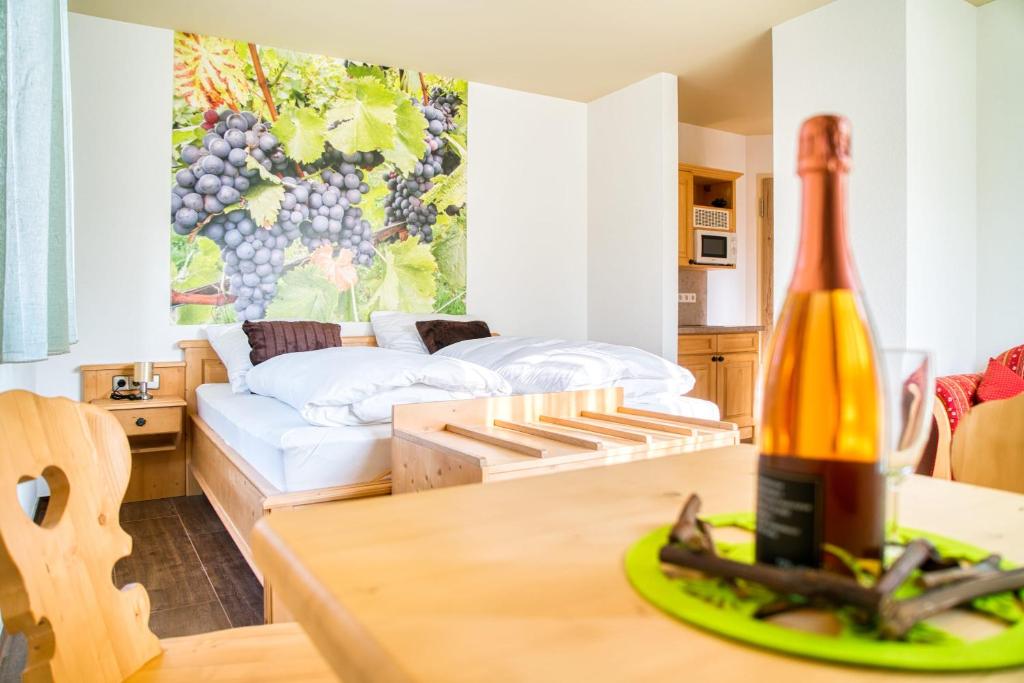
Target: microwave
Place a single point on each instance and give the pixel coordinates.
(714, 248)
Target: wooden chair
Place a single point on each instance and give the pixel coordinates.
(55, 578)
(988, 445)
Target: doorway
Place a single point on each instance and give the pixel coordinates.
(766, 253)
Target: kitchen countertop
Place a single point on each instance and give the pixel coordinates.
(719, 329)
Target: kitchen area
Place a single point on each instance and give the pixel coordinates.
(725, 358)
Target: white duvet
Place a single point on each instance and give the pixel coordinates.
(534, 365)
(353, 386)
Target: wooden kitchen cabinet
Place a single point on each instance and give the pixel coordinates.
(725, 367)
(699, 187)
(736, 384)
(704, 371)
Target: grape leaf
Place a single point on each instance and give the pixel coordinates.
(202, 266)
(372, 203)
(339, 271)
(448, 190)
(405, 282)
(365, 114)
(301, 132)
(193, 314)
(410, 125)
(208, 72)
(450, 301)
(264, 203)
(456, 139)
(356, 70)
(187, 135)
(305, 294)
(251, 163)
(449, 251)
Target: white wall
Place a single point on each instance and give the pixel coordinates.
(935, 91)
(527, 254)
(18, 376)
(121, 90)
(1000, 177)
(849, 57)
(632, 244)
(527, 206)
(941, 160)
(732, 294)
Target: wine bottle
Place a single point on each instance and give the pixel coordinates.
(820, 478)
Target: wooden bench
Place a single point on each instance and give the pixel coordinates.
(447, 443)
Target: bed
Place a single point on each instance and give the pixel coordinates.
(289, 452)
(236, 488)
(253, 455)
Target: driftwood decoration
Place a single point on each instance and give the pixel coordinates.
(691, 546)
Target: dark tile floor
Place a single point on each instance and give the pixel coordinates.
(196, 578)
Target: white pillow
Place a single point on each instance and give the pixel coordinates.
(397, 331)
(232, 346)
(329, 387)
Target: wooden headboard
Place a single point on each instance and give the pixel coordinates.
(203, 365)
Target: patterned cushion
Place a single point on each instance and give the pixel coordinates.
(1013, 359)
(999, 382)
(437, 334)
(957, 393)
(269, 339)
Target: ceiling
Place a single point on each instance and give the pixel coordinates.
(574, 49)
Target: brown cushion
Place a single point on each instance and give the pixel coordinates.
(269, 339)
(437, 334)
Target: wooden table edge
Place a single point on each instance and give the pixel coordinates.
(362, 657)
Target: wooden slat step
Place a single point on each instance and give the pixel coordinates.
(495, 440)
(550, 434)
(637, 422)
(597, 429)
(694, 421)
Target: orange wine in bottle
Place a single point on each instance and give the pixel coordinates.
(820, 478)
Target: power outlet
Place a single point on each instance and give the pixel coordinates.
(125, 383)
(687, 297)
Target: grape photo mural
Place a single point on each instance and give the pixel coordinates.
(312, 187)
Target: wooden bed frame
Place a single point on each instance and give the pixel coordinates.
(238, 493)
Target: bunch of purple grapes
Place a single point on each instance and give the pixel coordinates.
(253, 259)
(403, 203)
(326, 210)
(215, 174)
(319, 210)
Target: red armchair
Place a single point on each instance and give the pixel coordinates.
(954, 397)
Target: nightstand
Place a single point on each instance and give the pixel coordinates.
(152, 426)
(155, 428)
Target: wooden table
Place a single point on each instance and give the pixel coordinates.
(524, 581)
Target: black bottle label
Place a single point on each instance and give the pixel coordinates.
(789, 518)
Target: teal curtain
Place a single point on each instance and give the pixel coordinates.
(37, 307)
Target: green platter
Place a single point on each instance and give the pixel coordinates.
(1004, 650)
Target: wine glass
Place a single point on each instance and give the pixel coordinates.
(909, 383)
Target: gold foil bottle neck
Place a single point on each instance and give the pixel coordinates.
(824, 145)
